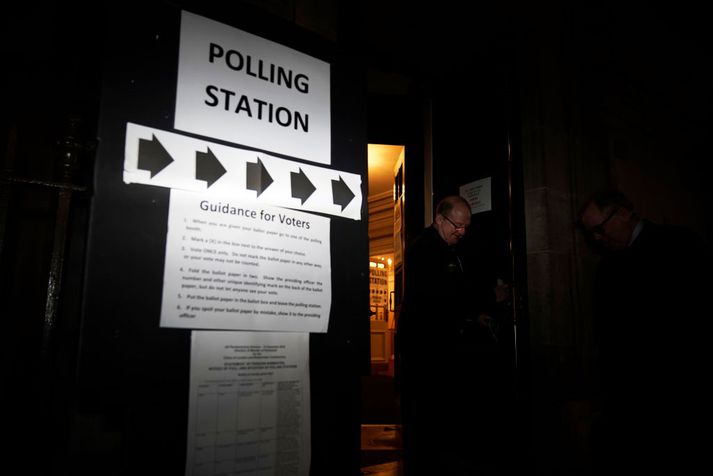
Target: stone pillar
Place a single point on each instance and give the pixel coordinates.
(560, 151)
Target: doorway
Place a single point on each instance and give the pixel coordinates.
(385, 250)
(381, 437)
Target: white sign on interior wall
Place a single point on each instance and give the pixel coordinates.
(478, 195)
(241, 88)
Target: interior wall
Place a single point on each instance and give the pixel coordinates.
(381, 224)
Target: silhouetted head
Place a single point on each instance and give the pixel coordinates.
(608, 219)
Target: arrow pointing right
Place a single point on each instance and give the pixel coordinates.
(167, 159)
(153, 156)
(257, 177)
(341, 193)
(302, 188)
(208, 167)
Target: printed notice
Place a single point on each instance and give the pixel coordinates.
(244, 89)
(244, 266)
(478, 195)
(249, 404)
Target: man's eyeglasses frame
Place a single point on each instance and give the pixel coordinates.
(457, 227)
(598, 229)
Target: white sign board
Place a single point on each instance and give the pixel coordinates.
(241, 88)
(245, 266)
(166, 159)
(478, 195)
(249, 404)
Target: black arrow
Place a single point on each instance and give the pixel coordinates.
(208, 167)
(341, 194)
(152, 156)
(258, 178)
(302, 188)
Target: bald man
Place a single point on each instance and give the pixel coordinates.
(450, 377)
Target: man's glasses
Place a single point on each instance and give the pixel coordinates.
(599, 228)
(457, 227)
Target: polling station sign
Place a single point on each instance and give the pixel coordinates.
(247, 90)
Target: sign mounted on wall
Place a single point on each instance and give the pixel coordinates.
(166, 159)
(249, 411)
(247, 90)
(478, 195)
(235, 260)
(245, 266)
(239, 226)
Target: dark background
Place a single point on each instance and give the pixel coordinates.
(581, 96)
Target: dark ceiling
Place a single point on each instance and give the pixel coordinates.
(634, 50)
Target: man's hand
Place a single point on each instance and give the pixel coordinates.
(485, 320)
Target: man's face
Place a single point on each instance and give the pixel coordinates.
(453, 226)
(610, 228)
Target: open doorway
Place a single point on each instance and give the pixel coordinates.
(381, 436)
(385, 250)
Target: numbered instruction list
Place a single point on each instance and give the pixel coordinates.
(249, 404)
(244, 266)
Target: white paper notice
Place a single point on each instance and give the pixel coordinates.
(241, 88)
(249, 404)
(245, 266)
(478, 195)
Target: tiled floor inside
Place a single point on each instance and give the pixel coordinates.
(387, 469)
(380, 429)
(381, 450)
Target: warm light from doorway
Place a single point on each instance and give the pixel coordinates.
(382, 158)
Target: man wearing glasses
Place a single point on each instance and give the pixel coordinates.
(609, 220)
(451, 383)
(451, 230)
(647, 325)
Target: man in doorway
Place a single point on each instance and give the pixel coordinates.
(450, 372)
(648, 325)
